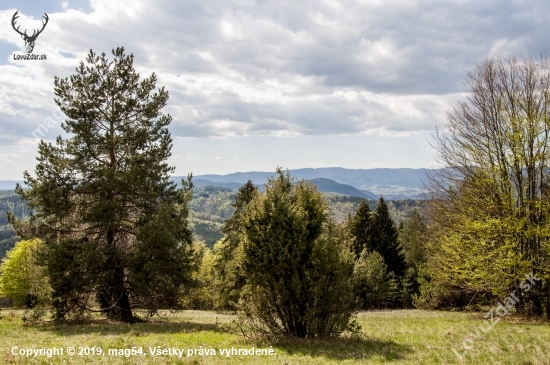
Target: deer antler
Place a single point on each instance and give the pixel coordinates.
(43, 26)
(15, 16)
(34, 34)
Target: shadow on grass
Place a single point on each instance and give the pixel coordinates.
(105, 328)
(344, 348)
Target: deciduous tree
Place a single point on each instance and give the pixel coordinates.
(21, 277)
(489, 206)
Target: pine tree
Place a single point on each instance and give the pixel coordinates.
(384, 239)
(113, 223)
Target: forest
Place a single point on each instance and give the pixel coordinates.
(208, 209)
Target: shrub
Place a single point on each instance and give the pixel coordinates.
(298, 275)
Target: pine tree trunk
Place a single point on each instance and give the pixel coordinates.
(114, 299)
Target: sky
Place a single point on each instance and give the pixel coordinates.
(259, 84)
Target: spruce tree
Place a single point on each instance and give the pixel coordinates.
(360, 228)
(384, 239)
(113, 223)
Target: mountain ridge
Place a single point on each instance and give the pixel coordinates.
(391, 183)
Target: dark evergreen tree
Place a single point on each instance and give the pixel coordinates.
(228, 262)
(360, 228)
(413, 237)
(384, 239)
(298, 275)
(113, 223)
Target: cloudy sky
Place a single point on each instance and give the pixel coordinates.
(257, 84)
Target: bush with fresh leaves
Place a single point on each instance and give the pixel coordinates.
(202, 295)
(369, 276)
(21, 278)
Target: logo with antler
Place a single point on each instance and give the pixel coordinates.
(29, 39)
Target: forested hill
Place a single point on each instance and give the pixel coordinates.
(12, 203)
(210, 207)
(324, 185)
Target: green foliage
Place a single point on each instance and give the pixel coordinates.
(8, 243)
(9, 202)
(413, 237)
(160, 265)
(230, 253)
(361, 229)
(384, 239)
(202, 294)
(208, 210)
(114, 225)
(298, 275)
(489, 209)
(205, 230)
(211, 202)
(21, 277)
(369, 277)
(436, 294)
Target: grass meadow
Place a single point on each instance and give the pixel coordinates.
(387, 337)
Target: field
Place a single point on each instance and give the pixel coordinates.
(388, 337)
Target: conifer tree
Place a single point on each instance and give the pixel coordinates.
(384, 238)
(413, 237)
(370, 281)
(229, 251)
(113, 223)
(298, 275)
(360, 228)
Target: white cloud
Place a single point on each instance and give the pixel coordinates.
(8, 155)
(285, 68)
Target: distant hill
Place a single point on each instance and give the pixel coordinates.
(401, 176)
(323, 184)
(212, 205)
(392, 184)
(330, 186)
(403, 183)
(199, 183)
(9, 184)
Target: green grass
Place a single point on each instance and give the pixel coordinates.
(388, 337)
